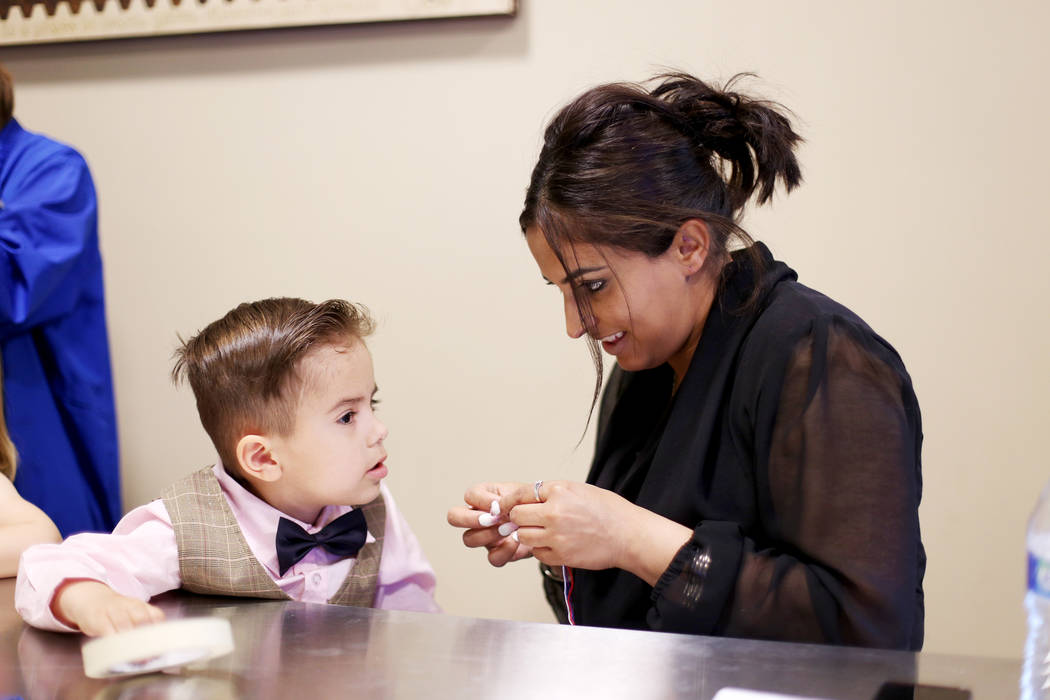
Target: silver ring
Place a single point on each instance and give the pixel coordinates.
(536, 490)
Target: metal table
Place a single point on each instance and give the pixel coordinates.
(285, 650)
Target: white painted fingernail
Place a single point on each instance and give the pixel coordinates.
(515, 536)
(507, 528)
(494, 508)
(486, 520)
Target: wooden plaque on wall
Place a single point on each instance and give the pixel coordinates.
(42, 21)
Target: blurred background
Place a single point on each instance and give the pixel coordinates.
(387, 164)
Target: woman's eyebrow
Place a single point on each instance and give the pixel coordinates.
(577, 273)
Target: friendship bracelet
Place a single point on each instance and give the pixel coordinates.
(508, 528)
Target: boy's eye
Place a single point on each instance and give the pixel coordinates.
(375, 402)
(347, 418)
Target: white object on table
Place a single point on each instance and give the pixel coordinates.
(157, 647)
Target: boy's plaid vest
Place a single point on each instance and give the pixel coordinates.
(214, 557)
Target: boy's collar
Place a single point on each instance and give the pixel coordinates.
(244, 495)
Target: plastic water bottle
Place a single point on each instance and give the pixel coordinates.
(1035, 676)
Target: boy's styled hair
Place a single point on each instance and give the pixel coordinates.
(243, 368)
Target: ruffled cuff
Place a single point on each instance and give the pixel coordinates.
(692, 594)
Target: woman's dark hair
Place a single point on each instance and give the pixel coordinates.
(623, 165)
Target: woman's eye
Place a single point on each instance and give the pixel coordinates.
(347, 418)
(593, 286)
(375, 402)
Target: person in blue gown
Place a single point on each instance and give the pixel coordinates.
(57, 383)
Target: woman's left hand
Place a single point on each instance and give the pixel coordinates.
(575, 524)
(478, 498)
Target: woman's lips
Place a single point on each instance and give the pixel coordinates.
(612, 343)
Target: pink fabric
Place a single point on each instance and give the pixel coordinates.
(140, 559)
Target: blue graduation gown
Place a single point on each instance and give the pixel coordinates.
(57, 384)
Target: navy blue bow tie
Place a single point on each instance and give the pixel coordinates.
(342, 537)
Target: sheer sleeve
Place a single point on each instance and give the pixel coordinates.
(839, 559)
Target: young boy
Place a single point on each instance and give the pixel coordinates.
(285, 390)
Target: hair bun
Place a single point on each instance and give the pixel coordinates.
(752, 137)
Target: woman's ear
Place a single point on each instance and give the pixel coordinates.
(691, 244)
(256, 458)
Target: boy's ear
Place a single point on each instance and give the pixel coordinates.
(256, 458)
(691, 244)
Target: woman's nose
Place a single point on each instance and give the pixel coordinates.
(573, 325)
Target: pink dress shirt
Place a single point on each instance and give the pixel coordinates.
(140, 559)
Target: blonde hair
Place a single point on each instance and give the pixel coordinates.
(8, 453)
(242, 368)
(7, 97)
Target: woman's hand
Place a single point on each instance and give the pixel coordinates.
(575, 524)
(478, 499)
(587, 527)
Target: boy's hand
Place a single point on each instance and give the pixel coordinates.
(98, 610)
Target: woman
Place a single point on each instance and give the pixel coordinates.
(757, 469)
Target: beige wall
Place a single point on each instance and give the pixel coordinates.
(387, 164)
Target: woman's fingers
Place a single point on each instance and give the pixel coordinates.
(481, 537)
(533, 514)
(463, 516)
(547, 556)
(541, 542)
(516, 495)
(530, 494)
(558, 522)
(505, 551)
(481, 496)
(521, 552)
(486, 521)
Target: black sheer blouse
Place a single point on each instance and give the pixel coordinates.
(792, 449)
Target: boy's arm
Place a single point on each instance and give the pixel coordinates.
(406, 580)
(139, 560)
(96, 609)
(21, 524)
